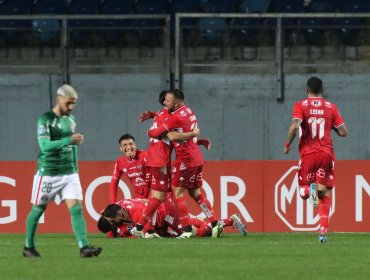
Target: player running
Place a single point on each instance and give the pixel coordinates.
(315, 117)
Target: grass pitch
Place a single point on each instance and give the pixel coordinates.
(297, 256)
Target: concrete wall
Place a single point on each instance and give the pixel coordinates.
(239, 113)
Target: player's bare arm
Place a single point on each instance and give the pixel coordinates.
(291, 134)
(182, 136)
(341, 130)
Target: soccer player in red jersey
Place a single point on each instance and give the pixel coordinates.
(187, 170)
(118, 219)
(315, 117)
(132, 164)
(159, 163)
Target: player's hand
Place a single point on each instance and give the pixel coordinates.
(196, 131)
(286, 148)
(77, 139)
(144, 116)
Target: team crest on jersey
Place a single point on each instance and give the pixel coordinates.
(316, 103)
(42, 129)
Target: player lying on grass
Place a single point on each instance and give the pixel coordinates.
(118, 219)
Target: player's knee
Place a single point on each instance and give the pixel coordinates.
(302, 193)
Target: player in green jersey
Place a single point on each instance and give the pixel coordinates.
(57, 171)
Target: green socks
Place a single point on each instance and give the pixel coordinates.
(31, 225)
(79, 224)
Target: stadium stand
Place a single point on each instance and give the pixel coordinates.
(314, 28)
(15, 32)
(82, 32)
(47, 31)
(112, 31)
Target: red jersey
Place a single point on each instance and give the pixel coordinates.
(135, 207)
(182, 120)
(318, 117)
(135, 171)
(159, 150)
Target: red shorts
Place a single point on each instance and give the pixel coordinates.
(316, 167)
(187, 177)
(160, 178)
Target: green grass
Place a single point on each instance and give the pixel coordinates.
(297, 256)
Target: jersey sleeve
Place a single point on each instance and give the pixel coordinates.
(337, 118)
(43, 137)
(297, 111)
(113, 186)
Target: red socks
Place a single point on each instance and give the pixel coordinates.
(324, 211)
(149, 210)
(206, 207)
(183, 212)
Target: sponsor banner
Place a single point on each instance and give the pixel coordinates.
(264, 193)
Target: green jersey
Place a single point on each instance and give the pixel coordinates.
(57, 155)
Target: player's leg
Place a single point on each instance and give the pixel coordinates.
(182, 212)
(71, 194)
(324, 212)
(306, 178)
(325, 183)
(160, 185)
(41, 190)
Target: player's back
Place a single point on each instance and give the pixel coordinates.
(187, 151)
(318, 118)
(159, 150)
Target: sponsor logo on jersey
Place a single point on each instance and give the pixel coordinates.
(183, 113)
(42, 129)
(328, 104)
(316, 103)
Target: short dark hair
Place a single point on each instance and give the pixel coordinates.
(111, 211)
(126, 137)
(178, 94)
(314, 85)
(104, 225)
(162, 96)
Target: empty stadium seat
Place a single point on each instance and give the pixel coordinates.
(245, 30)
(349, 29)
(152, 7)
(256, 6)
(48, 30)
(222, 6)
(118, 7)
(211, 30)
(82, 31)
(14, 32)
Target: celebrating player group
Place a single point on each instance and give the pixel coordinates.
(157, 182)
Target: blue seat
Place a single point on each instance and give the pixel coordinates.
(222, 6)
(256, 6)
(152, 7)
(48, 30)
(314, 28)
(84, 7)
(245, 30)
(15, 30)
(81, 31)
(16, 7)
(348, 29)
(116, 7)
(185, 6)
(211, 30)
